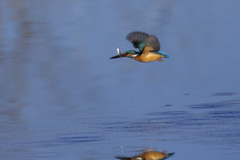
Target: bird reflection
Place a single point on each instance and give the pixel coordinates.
(149, 155)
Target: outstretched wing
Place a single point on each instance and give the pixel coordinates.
(152, 44)
(138, 39)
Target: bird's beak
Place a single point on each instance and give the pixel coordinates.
(117, 56)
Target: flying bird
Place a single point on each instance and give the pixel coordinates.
(148, 46)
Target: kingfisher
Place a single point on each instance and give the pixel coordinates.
(149, 155)
(148, 46)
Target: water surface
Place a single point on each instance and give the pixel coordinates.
(61, 97)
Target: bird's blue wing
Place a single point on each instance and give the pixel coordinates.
(138, 38)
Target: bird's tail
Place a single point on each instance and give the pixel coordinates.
(165, 55)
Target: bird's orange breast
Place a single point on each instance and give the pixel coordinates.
(153, 155)
(148, 57)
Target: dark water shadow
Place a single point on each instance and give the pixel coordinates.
(223, 104)
(224, 94)
(66, 139)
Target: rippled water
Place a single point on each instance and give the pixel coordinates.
(61, 97)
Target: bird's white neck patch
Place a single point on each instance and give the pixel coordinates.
(135, 55)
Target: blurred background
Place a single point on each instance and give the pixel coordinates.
(61, 97)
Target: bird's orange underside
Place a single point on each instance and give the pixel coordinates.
(152, 155)
(149, 57)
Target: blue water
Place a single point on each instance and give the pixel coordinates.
(61, 97)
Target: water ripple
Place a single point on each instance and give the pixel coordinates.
(224, 104)
(225, 94)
